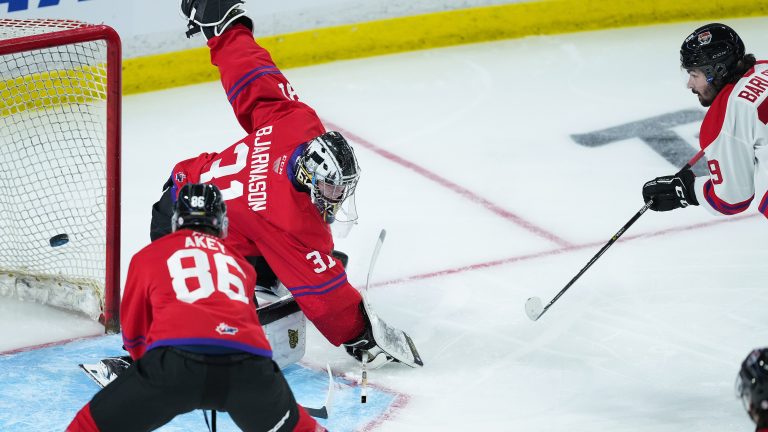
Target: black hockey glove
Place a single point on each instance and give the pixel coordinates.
(671, 192)
(213, 16)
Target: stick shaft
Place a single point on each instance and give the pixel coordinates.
(613, 239)
(375, 256)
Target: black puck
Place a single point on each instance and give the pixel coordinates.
(59, 240)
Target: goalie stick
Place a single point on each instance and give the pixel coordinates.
(324, 410)
(393, 344)
(375, 256)
(364, 364)
(534, 307)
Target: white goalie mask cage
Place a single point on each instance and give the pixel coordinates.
(328, 166)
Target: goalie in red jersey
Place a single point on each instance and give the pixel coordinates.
(190, 326)
(284, 183)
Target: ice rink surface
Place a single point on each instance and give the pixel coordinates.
(468, 161)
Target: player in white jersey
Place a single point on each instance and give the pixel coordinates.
(734, 135)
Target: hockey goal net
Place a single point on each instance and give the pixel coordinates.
(59, 165)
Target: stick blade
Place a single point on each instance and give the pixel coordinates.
(534, 308)
(321, 413)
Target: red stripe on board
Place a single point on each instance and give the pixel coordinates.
(528, 257)
(466, 193)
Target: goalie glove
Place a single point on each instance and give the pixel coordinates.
(213, 17)
(382, 342)
(671, 192)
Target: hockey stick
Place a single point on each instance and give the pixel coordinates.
(375, 256)
(364, 380)
(364, 367)
(533, 306)
(213, 420)
(323, 411)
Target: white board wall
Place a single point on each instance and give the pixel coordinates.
(156, 26)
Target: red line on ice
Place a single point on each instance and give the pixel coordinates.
(528, 257)
(400, 401)
(442, 181)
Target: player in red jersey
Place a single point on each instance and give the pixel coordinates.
(734, 135)
(752, 387)
(190, 326)
(284, 184)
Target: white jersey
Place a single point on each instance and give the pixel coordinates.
(734, 137)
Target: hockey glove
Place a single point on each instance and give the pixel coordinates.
(671, 192)
(382, 342)
(213, 17)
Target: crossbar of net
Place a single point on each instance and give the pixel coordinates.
(13, 28)
(53, 174)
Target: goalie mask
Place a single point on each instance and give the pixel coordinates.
(200, 205)
(752, 386)
(328, 167)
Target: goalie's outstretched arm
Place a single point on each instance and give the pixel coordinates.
(257, 90)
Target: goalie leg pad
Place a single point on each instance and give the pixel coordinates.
(286, 328)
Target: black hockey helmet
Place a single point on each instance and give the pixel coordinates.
(715, 49)
(200, 205)
(328, 167)
(752, 386)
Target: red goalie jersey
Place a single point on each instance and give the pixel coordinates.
(188, 288)
(268, 216)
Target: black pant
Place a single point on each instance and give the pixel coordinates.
(162, 211)
(167, 382)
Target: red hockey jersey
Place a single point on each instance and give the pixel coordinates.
(189, 288)
(268, 216)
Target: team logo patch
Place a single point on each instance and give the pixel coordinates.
(705, 37)
(293, 338)
(226, 329)
(180, 177)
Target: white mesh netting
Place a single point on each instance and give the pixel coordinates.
(53, 170)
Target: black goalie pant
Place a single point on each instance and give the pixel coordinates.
(167, 382)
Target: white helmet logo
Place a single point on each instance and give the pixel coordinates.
(705, 37)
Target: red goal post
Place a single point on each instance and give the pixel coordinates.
(60, 112)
